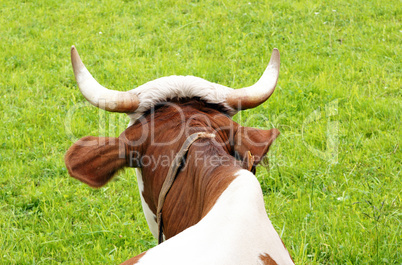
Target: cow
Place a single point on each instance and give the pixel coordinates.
(194, 165)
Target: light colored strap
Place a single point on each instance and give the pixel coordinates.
(171, 176)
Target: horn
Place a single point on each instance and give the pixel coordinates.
(96, 94)
(252, 96)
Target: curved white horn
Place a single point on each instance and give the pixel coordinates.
(252, 96)
(98, 95)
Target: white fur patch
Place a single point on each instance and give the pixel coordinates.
(164, 88)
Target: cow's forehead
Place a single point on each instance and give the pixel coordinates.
(165, 88)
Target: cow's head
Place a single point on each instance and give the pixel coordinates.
(163, 113)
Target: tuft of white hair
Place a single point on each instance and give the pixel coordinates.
(169, 87)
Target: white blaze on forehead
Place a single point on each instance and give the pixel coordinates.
(149, 215)
(236, 231)
(164, 88)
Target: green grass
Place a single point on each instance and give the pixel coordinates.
(338, 205)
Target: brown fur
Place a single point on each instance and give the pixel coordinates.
(267, 260)
(95, 160)
(254, 140)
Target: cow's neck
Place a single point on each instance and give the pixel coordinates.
(207, 172)
(236, 230)
(213, 203)
(195, 190)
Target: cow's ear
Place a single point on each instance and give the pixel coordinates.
(95, 160)
(254, 140)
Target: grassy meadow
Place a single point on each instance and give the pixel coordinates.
(333, 183)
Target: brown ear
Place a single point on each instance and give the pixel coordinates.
(256, 141)
(95, 160)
